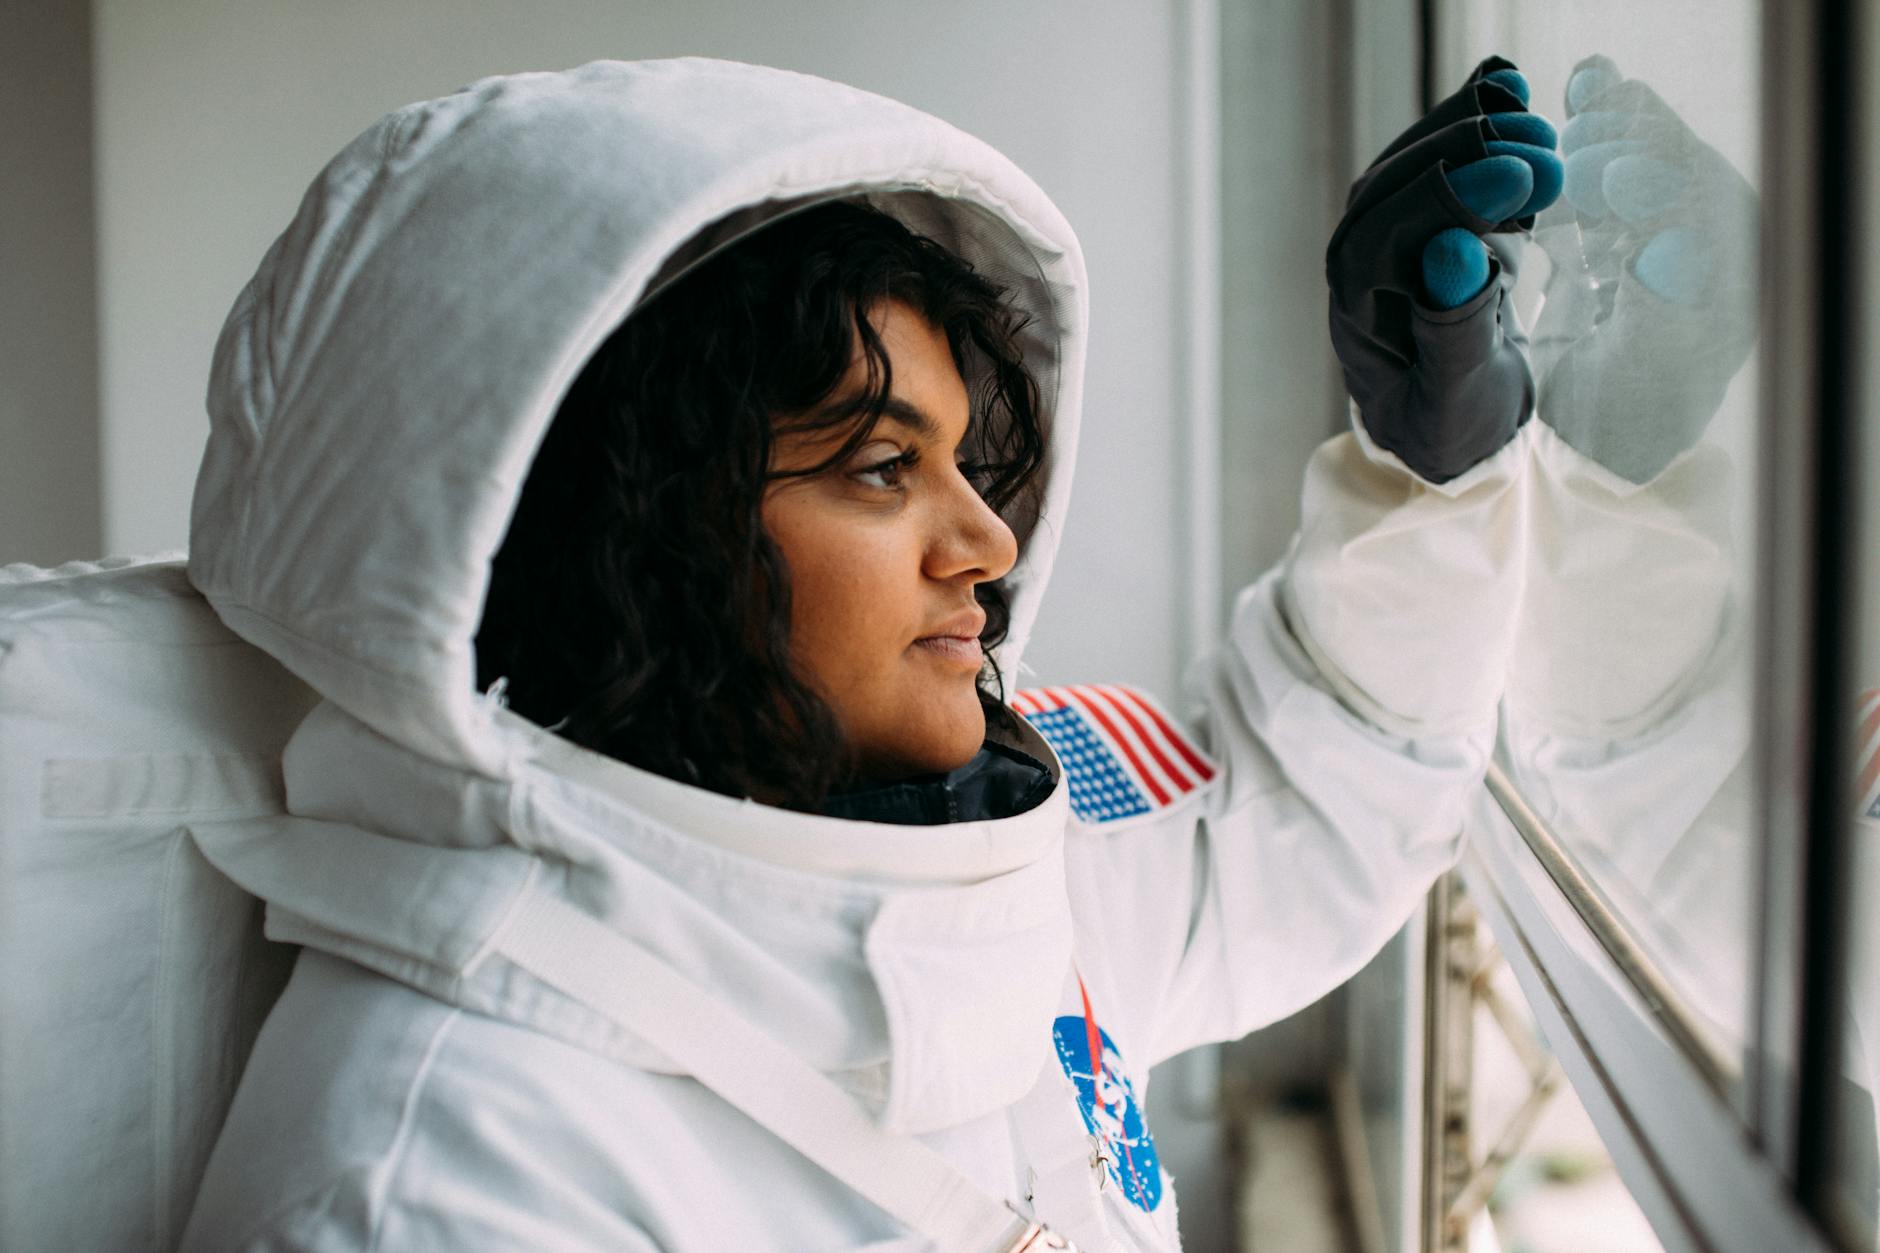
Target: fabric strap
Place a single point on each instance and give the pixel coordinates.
(602, 969)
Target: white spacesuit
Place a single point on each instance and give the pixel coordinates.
(428, 1080)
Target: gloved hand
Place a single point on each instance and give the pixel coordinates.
(1420, 268)
(1651, 306)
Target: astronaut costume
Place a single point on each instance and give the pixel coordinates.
(443, 1072)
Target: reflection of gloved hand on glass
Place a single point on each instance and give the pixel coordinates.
(1651, 303)
(1649, 312)
(1626, 714)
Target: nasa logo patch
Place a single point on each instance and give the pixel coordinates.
(1111, 1112)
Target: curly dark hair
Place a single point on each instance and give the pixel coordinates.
(637, 607)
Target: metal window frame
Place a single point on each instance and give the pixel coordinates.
(1680, 1147)
(1811, 321)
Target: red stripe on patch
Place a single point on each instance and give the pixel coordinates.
(1040, 699)
(1175, 777)
(1870, 765)
(1161, 733)
(1871, 722)
(1194, 759)
(1093, 1036)
(1122, 746)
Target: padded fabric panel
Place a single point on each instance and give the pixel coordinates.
(133, 975)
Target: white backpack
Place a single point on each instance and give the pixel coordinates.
(133, 976)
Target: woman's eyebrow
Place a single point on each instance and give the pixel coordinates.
(909, 414)
(903, 411)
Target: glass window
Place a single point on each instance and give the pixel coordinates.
(1856, 1168)
(1628, 715)
(1669, 716)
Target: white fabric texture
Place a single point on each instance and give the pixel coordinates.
(377, 395)
(758, 1075)
(133, 976)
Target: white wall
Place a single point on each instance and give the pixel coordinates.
(212, 117)
(1284, 170)
(48, 318)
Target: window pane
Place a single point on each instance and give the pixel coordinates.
(1857, 1172)
(1856, 1169)
(1628, 710)
(1559, 1192)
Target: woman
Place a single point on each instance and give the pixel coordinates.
(656, 469)
(863, 549)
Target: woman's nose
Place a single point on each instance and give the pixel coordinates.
(974, 539)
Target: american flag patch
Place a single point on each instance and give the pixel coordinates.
(1122, 755)
(1867, 782)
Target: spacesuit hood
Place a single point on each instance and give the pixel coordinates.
(382, 383)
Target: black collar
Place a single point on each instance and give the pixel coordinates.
(998, 782)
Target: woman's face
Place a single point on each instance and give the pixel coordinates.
(884, 551)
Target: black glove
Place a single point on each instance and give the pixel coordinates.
(1420, 268)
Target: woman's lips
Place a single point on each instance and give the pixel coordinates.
(961, 650)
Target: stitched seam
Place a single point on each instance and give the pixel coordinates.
(162, 1062)
(393, 1163)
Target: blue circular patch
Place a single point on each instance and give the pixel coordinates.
(1117, 1120)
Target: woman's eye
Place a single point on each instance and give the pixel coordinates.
(886, 474)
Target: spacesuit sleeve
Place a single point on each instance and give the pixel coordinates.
(1351, 711)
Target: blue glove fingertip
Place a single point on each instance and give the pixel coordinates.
(1513, 81)
(1544, 166)
(1494, 188)
(1455, 268)
(1524, 128)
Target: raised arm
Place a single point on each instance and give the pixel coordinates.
(1351, 709)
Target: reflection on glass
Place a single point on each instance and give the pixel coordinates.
(1856, 1158)
(1857, 1170)
(1627, 711)
(1627, 718)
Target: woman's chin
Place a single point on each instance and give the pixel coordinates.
(938, 740)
